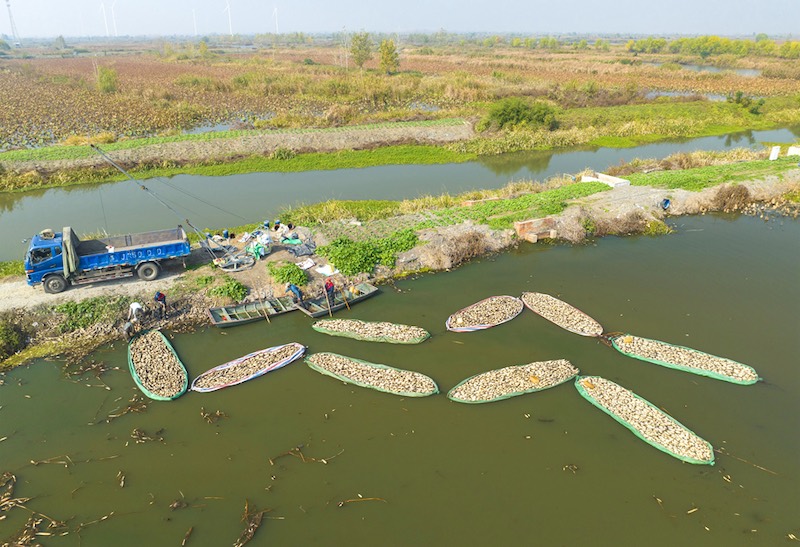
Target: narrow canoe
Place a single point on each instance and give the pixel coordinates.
(491, 310)
(239, 314)
(396, 381)
(685, 359)
(318, 307)
(249, 366)
(372, 331)
(645, 420)
(562, 314)
(142, 384)
(507, 382)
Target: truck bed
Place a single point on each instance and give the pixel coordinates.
(130, 242)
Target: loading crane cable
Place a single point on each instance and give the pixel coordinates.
(229, 262)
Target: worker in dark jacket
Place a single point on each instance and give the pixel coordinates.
(161, 301)
(297, 294)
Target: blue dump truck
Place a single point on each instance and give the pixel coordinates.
(58, 259)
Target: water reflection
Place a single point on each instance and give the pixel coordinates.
(514, 163)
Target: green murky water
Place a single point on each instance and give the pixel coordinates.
(546, 468)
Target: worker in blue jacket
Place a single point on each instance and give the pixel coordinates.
(297, 294)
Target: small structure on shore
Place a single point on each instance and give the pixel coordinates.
(606, 179)
(535, 229)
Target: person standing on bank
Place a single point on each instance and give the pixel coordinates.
(161, 301)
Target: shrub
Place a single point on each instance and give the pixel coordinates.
(106, 79)
(517, 112)
(287, 272)
(230, 288)
(11, 340)
(281, 153)
(731, 198)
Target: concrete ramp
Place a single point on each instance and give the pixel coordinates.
(606, 179)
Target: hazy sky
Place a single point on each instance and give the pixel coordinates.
(50, 18)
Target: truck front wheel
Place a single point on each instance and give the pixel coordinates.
(148, 271)
(54, 284)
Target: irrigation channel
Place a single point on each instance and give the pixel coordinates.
(545, 468)
(123, 207)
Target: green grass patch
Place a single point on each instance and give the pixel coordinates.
(353, 257)
(705, 177)
(78, 152)
(12, 268)
(327, 211)
(500, 214)
(343, 159)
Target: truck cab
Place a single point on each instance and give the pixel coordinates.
(44, 256)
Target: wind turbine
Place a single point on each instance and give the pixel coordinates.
(105, 19)
(194, 19)
(228, 9)
(114, 17)
(275, 15)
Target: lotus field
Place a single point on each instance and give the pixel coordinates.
(48, 99)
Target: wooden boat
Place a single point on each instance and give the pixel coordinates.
(145, 384)
(317, 307)
(238, 314)
(247, 367)
(645, 420)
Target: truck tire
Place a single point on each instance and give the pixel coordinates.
(148, 271)
(54, 284)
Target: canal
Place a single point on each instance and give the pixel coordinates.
(545, 468)
(219, 202)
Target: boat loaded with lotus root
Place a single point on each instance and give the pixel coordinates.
(485, 314)
(562, 314)
(155, 366)
(683, 358)
(373, 375)
(372, 331)
(247, 367)
(506, 382)
(645, 420)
